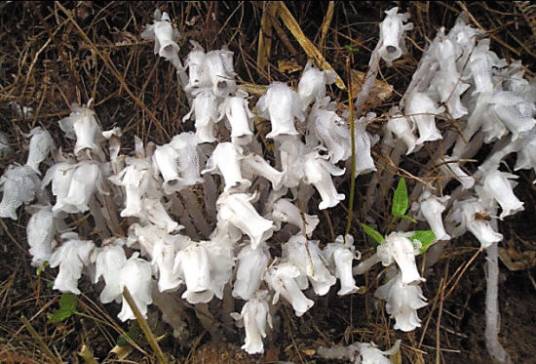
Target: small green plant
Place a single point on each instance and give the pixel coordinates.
(68, 304)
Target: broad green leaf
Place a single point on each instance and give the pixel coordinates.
(425, 237)
(68, 303)
(400, 199)
(373, 233)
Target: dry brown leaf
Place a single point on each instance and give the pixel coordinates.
(381, 91)
(516, 261)
(288, 66)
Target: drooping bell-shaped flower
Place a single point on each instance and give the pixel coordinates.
(331, 131)
(363, 143)
(219, 65)
(163, 257)
(451, 167)
(19, 185)
(197, 69)
(252, 265)
(284, 211)
(515, 113)
(392, 30)
(136, 277)
(430, 208)
(71, 257)
(236, 109)
(5, 148)
(255, 314)
(473, 216)
(255, 165)
(402, 302)
(291, 153)
(318, 172)
(83, 126)
(499, 186)
(192, 265)
(165, 160)
(526, 156)
(188, 160)
(164, 36)
(205, 111)
(422, 110)
(85, 180)
(481, 64)
(312, 84)
(307, 257)
(236, 209)
(109, 261)
(222, 261)
(398, 248)
(154, 211)
(226, 160)
(41, 144)
(281, 105)
(281, 278)
(40, 233)
(60, 174)
(340, 256)
(400, 126)
(370, 354)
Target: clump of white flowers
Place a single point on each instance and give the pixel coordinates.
(149, 228)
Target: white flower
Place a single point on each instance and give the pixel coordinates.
(82, 124)
(237, 210)
(430, 208)
(163, 256)
(154, 211)
(312, 84)
(340, 257)
(5, 148)
(226, 159)
(219, 65)
(71, 257)
(109, 261)
(331, 131)
(397, 247)
(255, 165)
(205, 111)
(282, 279)
(499, 186)
(318, 172)
(164, 36)
(306, 255)
(526, 156)
(40, 233)
(392, 30)
(41, 144)
(165, 160)
(285, 211)
(255, 314)
(452, 168)
(60, 174)
(252, 265)
(236, 109)
(136, 277)
(188, 160)
(513, 112)
(196, 63)
(422, 109)
(363, 143)
(292, 152)
(19, 185)
(281, 105)
(370, 354)
(472, 215)
(400, 126)
(481, 65)
(403, 301)
(85, 180)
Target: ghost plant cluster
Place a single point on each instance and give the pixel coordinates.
(203, 212)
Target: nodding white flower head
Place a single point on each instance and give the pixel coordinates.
(109, 261)
(226, 160)
(526, 156)
(255, 314)
(282, 278)
(430, 208)
(20, 185)
(398, 248)
(85, 181)
(370, 354)
(480, 67)
(255, 165)
(312, 84)
(402, 302)
(340, 256)
(196, 63)
(163, 258)
(281, 105)
(41, 144)
(451, 167)
(164, 35)
(392, 30)
(113, 136)
(147, 236)
(284, 211)
(318, 172)
(307, 257)
(188, 160)
(71, 257)
(236, 209)
(136, 277)
(219, 65)
(205, 111)
(363, 143)
(165, 160)
(514, 112)
(292, 152)
(422, 109)
(331, 131)
(83, 126)
(236, 109)
(5, 148)
(40, 233)
(252, 265)
(402, 128)
(155, 213)
(60, 174)
(499, 186)
(472, 215)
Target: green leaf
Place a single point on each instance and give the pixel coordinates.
(425, 237)
(409, 218)
(400, 199)
(68, 303)
(373, 233)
